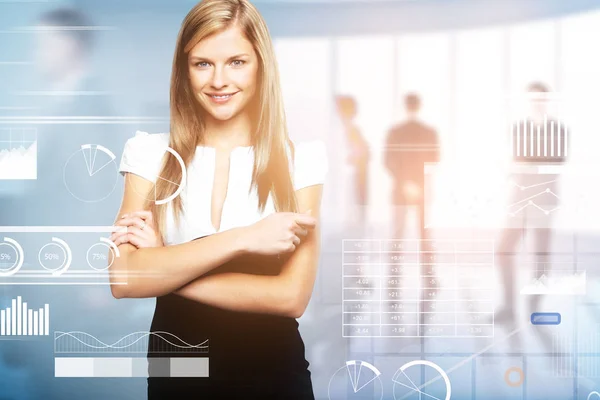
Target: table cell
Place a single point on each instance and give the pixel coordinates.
(473, 277)
(361, 282)
(399, 258)
(474, 305)
(400, 318)
(362, 270)
(411, 245)
(361, 245)
(438, 318)
(442, 246)
(399, 330)
(364, 330)
(475, 330)
(475, 318)
(400, 269)
(362, 318)
(361, 258)
(474, 259)
(474, 246)
(392, 282)
(361, 294)
(398, 294)
(438, 258)
(362, 306)
(399, 306)
(436, 269)
(479, 293)
(429, 330)
(439, 306)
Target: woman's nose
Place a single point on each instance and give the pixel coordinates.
(219, 78)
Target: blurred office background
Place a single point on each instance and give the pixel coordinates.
(470, 62)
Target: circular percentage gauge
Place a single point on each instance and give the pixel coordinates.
(11, 257)
(97, 257)
(55, 256)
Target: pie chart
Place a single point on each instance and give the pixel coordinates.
(91, 173)
(355, 380)
(420, 380)
(176, 187)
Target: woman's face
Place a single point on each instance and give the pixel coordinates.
(223, 73)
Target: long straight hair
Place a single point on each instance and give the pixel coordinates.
(271, 173)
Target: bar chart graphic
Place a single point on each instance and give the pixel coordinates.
(20, 319)
(548, 139)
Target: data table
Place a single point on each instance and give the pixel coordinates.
(418, 288)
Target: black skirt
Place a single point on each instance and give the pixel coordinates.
(250, 356)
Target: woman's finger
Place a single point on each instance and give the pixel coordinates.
(305, 220)
(143, 214)
(299, 230)
(132, 221)
(296, 240)
(116, 235)
(135, 240)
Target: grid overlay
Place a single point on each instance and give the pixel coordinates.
(378, 300)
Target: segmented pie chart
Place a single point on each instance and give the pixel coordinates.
(178, 186)
(421, 379)
(91, 173)
(355, 380)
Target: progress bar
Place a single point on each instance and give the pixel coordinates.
(130, 367)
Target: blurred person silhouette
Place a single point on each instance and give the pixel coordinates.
(538, 140)
(358, 156)
(409, 146)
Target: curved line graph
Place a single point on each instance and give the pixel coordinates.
(165, 336)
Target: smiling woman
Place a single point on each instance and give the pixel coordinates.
(252, 198)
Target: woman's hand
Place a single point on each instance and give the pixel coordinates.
(278, 233)
(141, 230)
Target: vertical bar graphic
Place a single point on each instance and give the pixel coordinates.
(552, 139)
(514, 140)
(525, 138)
(24, 317)
(47, 321)
(518, 139)
(19, 305)
(545, 136)
(538, 140)
(531, 133)
(41, 324)
(2, 322)
(30, 322)
(558, 141)
(13, 312)
(35, 323)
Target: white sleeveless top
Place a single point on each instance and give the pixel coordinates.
(143, 156)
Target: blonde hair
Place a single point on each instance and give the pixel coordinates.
(269, 137)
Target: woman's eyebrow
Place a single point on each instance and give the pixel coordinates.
(200, 58)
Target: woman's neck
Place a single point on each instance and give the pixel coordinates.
(234, 132)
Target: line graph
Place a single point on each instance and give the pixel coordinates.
(77, 342)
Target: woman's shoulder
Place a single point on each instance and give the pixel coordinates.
(143, 139)
(310, 163)
(143, 154)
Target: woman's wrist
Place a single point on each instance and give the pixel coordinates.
(241, 242)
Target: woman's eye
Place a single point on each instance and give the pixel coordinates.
(237, 63)
(202, 64)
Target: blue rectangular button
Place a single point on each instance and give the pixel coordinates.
(545, 318)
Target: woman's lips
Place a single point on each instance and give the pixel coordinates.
(220, 98)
